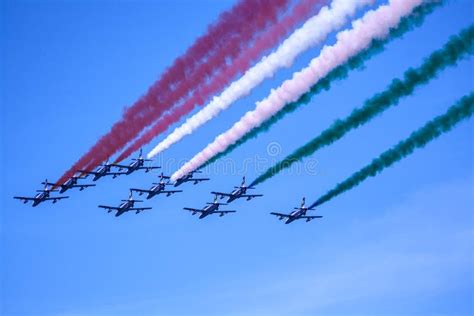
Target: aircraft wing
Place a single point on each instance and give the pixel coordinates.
(148, 168)
(308, 218)
(171, 191)
(139, 209)
(222, 194)
(110, 208)
(251, 195)
(216, 203)
(280, 215)
(222, 213)
(114, 174)
(82, 186)
(120, 166)
(195, 180)
(141, 191)
(193, 210)
(199, 180)
(56, 198)
(23, 198)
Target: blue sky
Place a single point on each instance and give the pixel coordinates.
(400, 243)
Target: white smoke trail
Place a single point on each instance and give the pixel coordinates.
(313, 32)
(375, 24)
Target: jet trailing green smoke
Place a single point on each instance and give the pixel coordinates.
(415, 19)
(463, 109)
(456, 48)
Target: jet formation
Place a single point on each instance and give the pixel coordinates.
(156, 188)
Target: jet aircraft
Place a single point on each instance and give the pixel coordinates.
(157, 188)
(102, 171)
(125, 206)
(209, 209)
(190, 178)
(43, 195)
(69, 184)
(238, 192)
(137, 164)
(299, 213)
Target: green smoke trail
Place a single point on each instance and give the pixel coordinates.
(408, 23)
(456, 48)
(463, 109)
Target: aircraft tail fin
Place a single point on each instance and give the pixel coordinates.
(162, 176)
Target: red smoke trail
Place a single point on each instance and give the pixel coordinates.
(267, 40)
(233, 31)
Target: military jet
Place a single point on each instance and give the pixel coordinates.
(211, 208)
(125, 206)
(102, 171)
(137, 164)
(300, 213)
(157, 188)
(42, 196)
(190, 178)
(69, 184)
(239, 192)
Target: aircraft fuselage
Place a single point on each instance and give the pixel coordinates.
(183, 179)
(68, 184)
(237, 193)
(40, 197)
(124, 207)
(101, 172)
(134, 166)
(295, 215)
(155, 190)
(208, 210)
